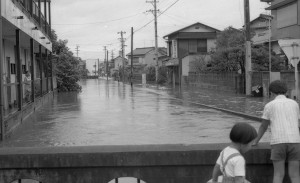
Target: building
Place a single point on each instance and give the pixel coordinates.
(146, 56)
(285, 22)
(260, 29)
(188, 43)
(25, 30)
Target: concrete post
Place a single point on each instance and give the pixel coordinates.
(32, 69)
(1, 74)
(248, 66)
(19, 71)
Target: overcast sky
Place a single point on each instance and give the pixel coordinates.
(93, 24)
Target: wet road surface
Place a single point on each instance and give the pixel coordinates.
(112, 113)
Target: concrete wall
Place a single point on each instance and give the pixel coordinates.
(226, 82)
(150, 163)
(13, 121)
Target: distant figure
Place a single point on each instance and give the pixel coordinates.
(27, 83)
(231, 163)
(282, 114)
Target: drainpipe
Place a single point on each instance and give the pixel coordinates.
(46, 69)
(41, 67)
(1, 75)
(40, 11)
(32, 70)
(19, 70)
(45, 15)
(49, 10)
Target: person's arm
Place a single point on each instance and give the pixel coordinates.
(239, 179)
(262, 129)
(216, 173)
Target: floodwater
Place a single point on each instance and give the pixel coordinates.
(112, 113)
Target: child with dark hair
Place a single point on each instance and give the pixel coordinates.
(282, 114)
(231, 163)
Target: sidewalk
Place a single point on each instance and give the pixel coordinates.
(239, 104)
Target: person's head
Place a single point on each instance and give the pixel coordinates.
(243, 134)
(278, 87)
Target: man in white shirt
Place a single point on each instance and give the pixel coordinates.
(282, 115)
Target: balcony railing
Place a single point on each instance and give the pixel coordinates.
(31, 8)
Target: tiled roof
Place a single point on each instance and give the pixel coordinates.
(144, 51)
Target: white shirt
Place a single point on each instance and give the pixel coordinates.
(283, 114)
(235, 166)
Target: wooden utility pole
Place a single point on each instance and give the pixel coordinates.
(77, 50)
(106, 64)
(98, 67)
(131, 57)
(122, 49)
(105, 57)
(155, 34)
(248, 66)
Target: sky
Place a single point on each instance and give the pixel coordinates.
(93, 24)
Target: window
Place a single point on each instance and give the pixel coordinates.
(192, 46)
(287, 16)
(13, 68)
(23, 69)
(201, 45)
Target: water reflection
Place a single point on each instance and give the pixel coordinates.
(111, 113)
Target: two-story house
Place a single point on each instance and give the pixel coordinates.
(285, 22)
(185, 45)
(25, 30)
(146, 56)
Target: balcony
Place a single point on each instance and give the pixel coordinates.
(32, 10)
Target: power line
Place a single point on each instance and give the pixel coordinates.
(91, 23)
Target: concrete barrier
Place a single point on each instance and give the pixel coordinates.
(101, 164)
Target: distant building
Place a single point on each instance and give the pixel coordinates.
(260, 29)
(146, 56)
(188, 42)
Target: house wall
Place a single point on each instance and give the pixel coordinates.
(118, 63)
(261, 36)
(197, 29)
(211, 44)
(290, 31)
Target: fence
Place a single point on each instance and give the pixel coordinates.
(224, 81)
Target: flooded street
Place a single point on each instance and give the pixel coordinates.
(111, 113)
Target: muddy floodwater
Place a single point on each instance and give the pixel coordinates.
(112, 113)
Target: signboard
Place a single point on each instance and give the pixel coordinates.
(291, 48)
(174, 48)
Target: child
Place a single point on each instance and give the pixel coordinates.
(282, 115)
(231, 163)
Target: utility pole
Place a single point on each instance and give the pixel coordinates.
(105, 56)
(112, 54)
(131, 57)
(155, 30)
(122, 49)
(248, 66)
(98, 67)
(107, 65)
(77, 50)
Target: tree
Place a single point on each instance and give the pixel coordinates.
(66, 66)
(230, 54)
